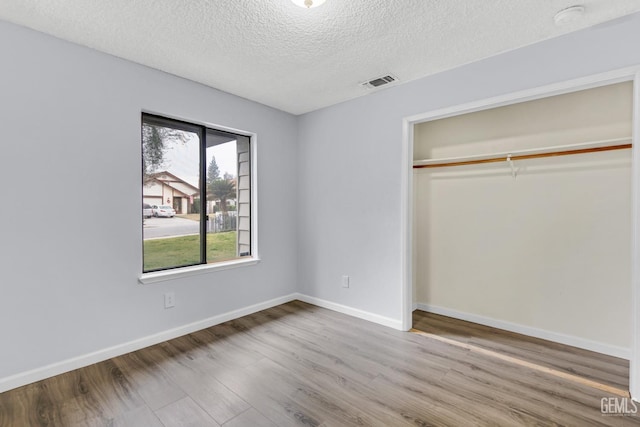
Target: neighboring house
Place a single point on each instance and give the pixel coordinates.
(164, 188)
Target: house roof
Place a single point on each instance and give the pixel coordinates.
(297, 59)
(175, 182)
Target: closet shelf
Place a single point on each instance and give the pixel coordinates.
(558, 150)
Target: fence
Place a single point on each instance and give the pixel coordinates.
(219, 222)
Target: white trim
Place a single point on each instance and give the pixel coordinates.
(634, 363)
(544, 334)
(253, 207)
(589, 82)
(147, 278)
(57, 368)
(53, 369)
(406, 225)
(355, 312)
(178, 273)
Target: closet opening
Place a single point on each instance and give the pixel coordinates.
(520, 218)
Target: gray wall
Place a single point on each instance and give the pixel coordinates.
(71, 226)
(350, 159)
(71, 230)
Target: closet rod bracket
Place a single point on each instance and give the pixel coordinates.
(513, 168)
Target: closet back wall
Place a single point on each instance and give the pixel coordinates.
(547, 252)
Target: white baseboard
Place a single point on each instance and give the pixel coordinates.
(355, 312)
(57, 368)
(53, 369)
(611, 350)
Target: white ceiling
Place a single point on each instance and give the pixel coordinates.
(299, 60)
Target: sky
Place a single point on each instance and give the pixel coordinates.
(181, 159)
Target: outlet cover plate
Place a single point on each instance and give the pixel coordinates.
(345, 281)
(169, 300)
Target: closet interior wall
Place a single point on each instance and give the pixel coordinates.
(546, 251)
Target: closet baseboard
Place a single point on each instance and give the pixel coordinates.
(598, 347)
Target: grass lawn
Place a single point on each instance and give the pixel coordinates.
(185, 250)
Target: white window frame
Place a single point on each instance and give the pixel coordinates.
(253, 259)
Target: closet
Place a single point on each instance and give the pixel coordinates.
(522, 217)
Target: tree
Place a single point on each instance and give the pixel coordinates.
(223, 190)
(155, 140)
(213, 172)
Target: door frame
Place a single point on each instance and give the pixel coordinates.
(602, 79)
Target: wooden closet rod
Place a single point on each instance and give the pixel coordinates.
(525, 156)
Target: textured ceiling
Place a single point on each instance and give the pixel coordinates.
(299, 60)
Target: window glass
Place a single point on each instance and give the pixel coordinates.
(196, 194)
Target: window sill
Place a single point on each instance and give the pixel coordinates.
(161, 276)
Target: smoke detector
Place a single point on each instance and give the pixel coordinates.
(380, 81)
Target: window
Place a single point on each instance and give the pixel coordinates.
(196, 194)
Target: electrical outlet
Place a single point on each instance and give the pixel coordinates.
(169, 300)
(345, 281)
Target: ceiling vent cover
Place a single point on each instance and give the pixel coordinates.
(380, 81)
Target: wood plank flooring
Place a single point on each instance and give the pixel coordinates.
(595, 366)
(298, 364)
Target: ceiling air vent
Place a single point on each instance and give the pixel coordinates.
(380, 81)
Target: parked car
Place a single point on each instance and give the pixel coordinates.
(147, 210)
(163, 211)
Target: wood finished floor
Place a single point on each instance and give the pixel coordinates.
(298, 364)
